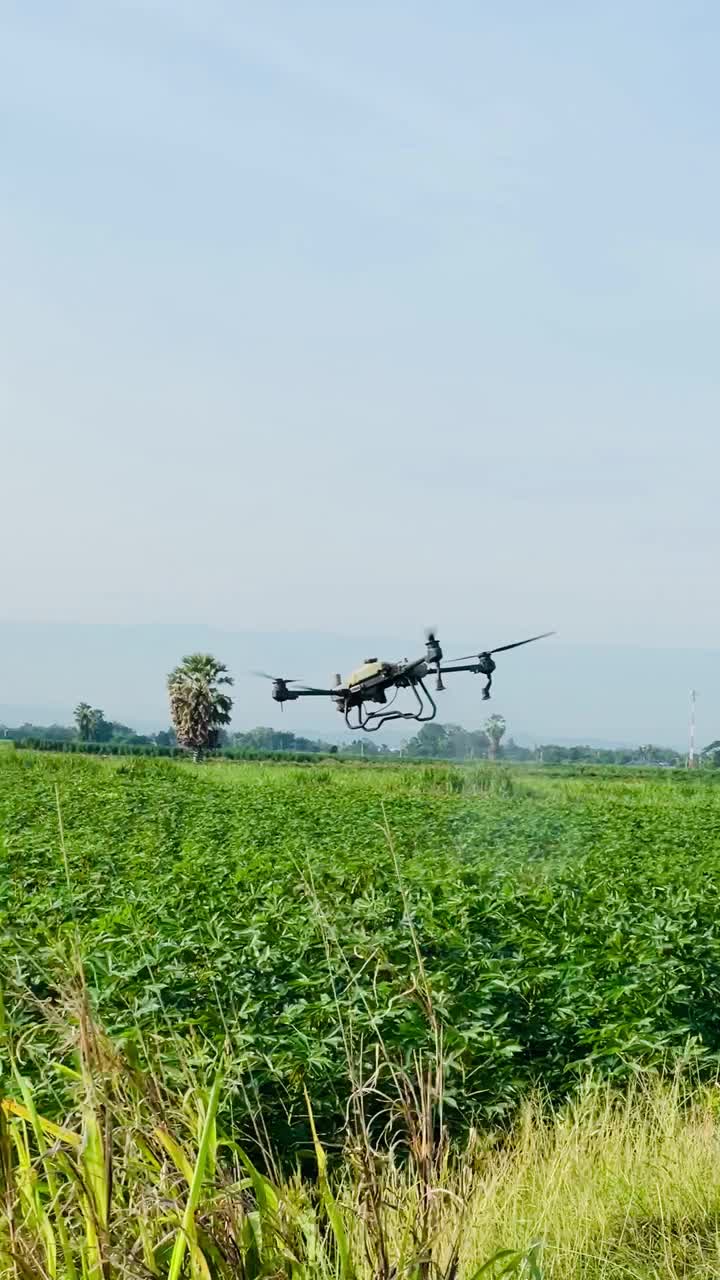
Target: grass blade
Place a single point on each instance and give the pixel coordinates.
(330, 1204)
(187, 1234)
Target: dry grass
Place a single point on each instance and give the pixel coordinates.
(611, 1187)
(137, 1181)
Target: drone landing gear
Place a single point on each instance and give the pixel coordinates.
(371, 721)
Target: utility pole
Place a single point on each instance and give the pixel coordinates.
(692, 758)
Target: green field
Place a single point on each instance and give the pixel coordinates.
(563, 923)
(318, 927)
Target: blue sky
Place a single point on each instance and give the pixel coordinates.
(314, 314)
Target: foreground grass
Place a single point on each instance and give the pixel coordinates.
(296, 1022)
(140, 1180)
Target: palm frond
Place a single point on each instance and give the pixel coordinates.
(197, 707)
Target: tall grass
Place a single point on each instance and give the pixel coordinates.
(140, 1178)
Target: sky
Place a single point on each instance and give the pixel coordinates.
(356, 318)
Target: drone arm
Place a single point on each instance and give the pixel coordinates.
(291, 695)
(312, 693)
(466, 666)
(484, 667)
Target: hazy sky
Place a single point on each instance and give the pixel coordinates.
(314, 314)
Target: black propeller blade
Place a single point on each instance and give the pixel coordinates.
(286, 680)
(264, 675)
(433, 652)
(504, 647)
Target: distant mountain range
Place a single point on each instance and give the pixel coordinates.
(550, 692)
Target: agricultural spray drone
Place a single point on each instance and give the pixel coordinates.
(381, 682)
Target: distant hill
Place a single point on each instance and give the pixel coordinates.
(600, 695)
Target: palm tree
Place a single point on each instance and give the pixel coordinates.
(197, 706)
(86, 721)
(494, 730)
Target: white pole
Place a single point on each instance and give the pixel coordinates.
(691, 753)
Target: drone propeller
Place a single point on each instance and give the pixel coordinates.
(433, 656)
(264, 675)
(286, 680)
(504, 647)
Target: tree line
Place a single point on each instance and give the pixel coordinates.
(200, 711)
(453, 742)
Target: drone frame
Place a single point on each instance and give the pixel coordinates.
(400, 675)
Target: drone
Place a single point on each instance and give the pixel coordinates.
(379, 683)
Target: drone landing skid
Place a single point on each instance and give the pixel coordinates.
(371, 721)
